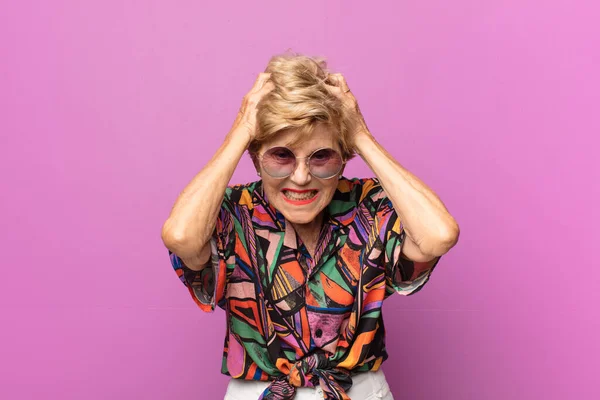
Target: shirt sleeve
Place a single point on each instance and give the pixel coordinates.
(402, 275)
(207, 286)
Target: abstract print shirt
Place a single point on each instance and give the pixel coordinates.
(298, 320)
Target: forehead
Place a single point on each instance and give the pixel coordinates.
(300, 142)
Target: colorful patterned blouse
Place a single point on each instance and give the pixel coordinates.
(297, 320)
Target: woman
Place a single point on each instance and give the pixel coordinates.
(302, 259)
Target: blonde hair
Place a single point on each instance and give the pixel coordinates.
(300, 101)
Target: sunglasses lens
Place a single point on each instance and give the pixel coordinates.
(279, 162)
(325, 163)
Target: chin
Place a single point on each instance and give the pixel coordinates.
(300, 216)
(300, 220)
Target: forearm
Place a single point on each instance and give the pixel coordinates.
(425, 219)
(192, 219)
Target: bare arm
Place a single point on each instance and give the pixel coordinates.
(430, 229)
(190, 225)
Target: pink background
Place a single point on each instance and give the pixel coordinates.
(108, 108)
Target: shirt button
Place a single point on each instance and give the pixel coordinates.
(318, 333)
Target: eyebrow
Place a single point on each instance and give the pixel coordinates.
(309, 152)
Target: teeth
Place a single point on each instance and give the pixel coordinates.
(299, 196)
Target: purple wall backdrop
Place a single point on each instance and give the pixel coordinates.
(108, 108)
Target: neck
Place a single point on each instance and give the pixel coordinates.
(310, 230)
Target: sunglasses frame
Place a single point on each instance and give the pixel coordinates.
(307, 162)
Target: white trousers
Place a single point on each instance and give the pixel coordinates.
(365, 386)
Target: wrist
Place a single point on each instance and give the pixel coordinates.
(240, 136)
(363, 141)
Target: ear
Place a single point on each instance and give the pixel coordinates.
(342, 171)
(256, 164)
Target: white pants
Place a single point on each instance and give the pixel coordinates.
(365, 386)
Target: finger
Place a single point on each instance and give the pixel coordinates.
(333, 83)
(260, 80)
(342, 83)
(263, 77)
(266, 87)
(334, 78)
(339, 81)
(263, 91)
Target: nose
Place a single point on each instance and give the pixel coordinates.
(301, 175)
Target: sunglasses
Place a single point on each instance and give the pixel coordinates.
(281, 162)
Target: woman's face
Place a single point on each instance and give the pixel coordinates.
(301, 197)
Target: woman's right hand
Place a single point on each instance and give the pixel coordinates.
(191, 224)
(246, 117)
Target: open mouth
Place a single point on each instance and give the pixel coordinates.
(300, 196)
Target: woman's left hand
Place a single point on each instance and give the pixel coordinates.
(339, 87)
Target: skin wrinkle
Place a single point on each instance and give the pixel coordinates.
(306, 108)
(306, 219)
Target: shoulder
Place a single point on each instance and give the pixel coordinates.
(357, 188)
(360, 190)
(352, 194)
(242, 193)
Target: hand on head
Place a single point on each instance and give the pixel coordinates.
(246, 120)
(246, 117)
(339, 87)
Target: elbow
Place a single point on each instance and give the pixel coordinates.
(443, 241)
(171, 237)
(448, 237)
(183, 243)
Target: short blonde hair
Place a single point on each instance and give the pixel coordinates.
(300, 101)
